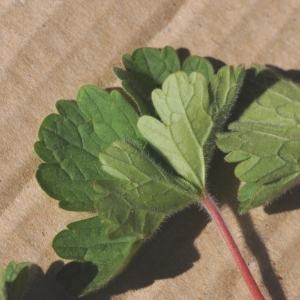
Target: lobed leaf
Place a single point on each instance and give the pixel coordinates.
(130, 192)
(192, 109)
(265, 141)
(89, 241)
(142, 183)
(131, 208)
(147, 68)
(198, 64)
(70, 142)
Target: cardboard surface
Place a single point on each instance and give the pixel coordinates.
(49, 48)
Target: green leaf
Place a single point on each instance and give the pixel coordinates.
(142, 183)
(147, 68)
(131, 208)
(192, 110)
(265, 141)
(70, 142)
(15, 280)
(89, 241)
(198, 64)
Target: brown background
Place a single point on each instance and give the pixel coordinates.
(49, 48)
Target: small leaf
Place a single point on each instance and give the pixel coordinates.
(192, 110)
(89, 241)
(71, 141)
(145, 70)
(265, 141)
(198, 64)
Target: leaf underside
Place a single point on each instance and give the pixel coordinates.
(265, 141)
(192, 109)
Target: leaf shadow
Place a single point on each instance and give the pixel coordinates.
(292, 74)
(227, 193)
(183, 54)
(167, 254)
(287, 202)
(45, 285)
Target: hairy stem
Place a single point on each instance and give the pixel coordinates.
(210, 206)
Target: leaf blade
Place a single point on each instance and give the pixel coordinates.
(198, 64)
(130, 209)
(145, 70)
(144, 181)
(70, 142)
(191, 112)
(265, 139)
(89, 241)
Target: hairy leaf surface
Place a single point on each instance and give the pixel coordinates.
(142, 183)
(265, 141)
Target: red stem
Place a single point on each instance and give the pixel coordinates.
(214, 212)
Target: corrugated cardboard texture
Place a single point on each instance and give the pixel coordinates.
(49, 48)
